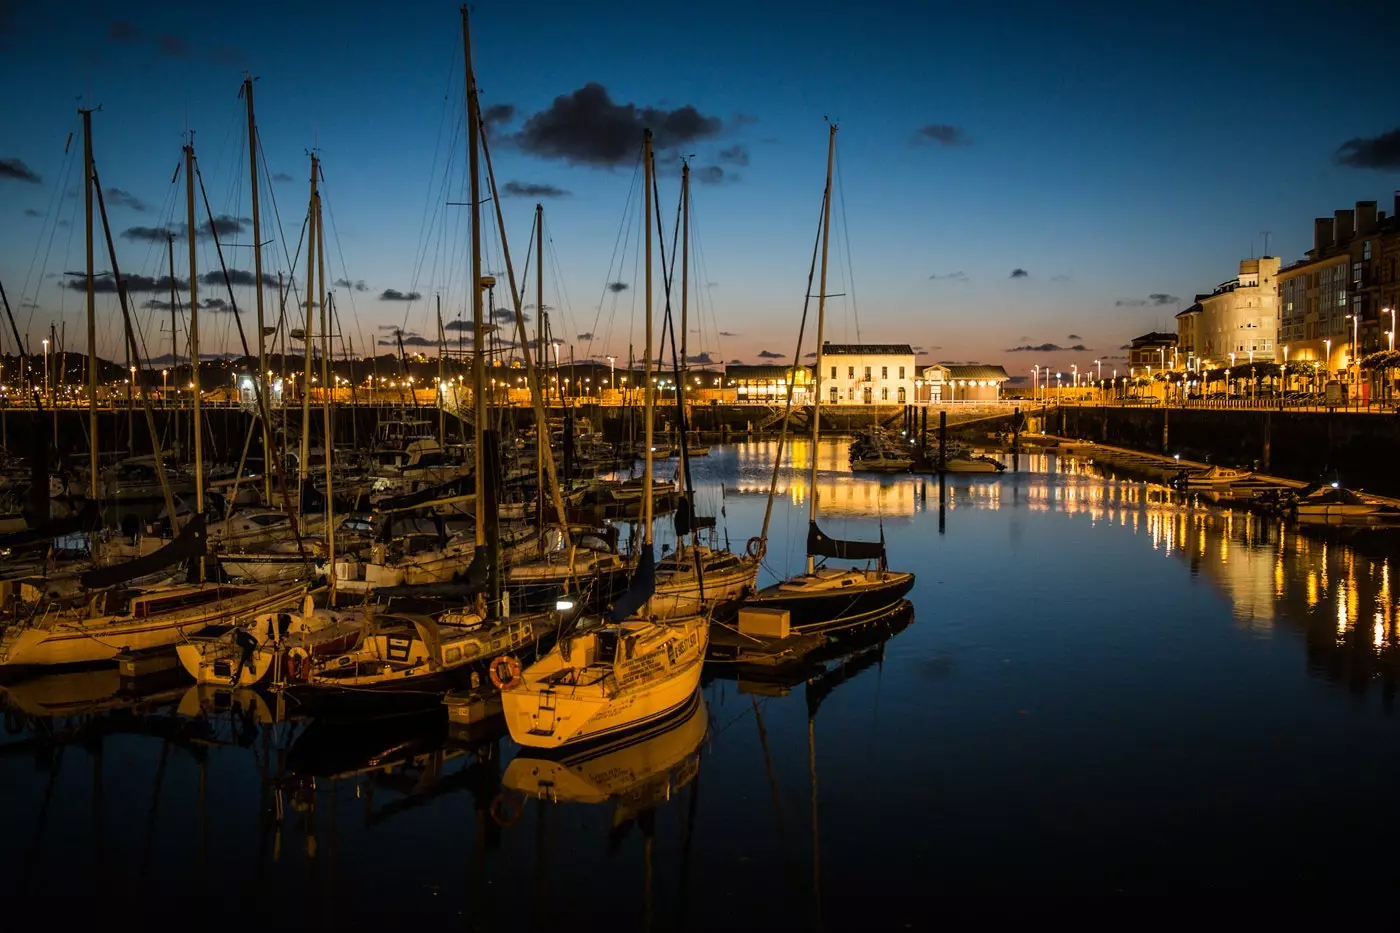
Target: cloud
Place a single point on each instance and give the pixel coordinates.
(28, 303)
(216, 304)
(950, 277)
(734, 155)
(616, 287)
(1074, 337)
(31, 212)
(16, 170)
(735, 363)
(1378, 152)
(703, 359)
(149, 234)
(810, 356)
(498, 114)
(121, 30)
(770, 355)
(224, 225)
(944, 134)
(357, 285)
(1047, 348)
(1059, 278)
(454, 325)
(393, 294)
(1019, 274)
(587, 127)
(1130, 303)
(106, 284)
(712, 175)
(1126, 346)
(586, 336)
(743, 119)
(1162, 298)
(409, 340)
(282, 176)
(119, 198)
(172, 46)
(239, 277)
(728, 333)
(526, 189)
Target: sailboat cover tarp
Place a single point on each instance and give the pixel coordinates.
(819, 545)
(86, 520)
(189, 543)
(460, 486)
(642, 586)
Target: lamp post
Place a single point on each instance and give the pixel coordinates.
(45, 393)
(612, 374)
(1035, 381)
(165, 388)
(1074, 374)
(1390, 334)
(1327, 357)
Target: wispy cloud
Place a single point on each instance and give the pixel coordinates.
(16, 170)
(117, 197)
(393, 294)
(1047, 348)
(949, 277)
(1375, 152)
(1019, 274)
(1130, 303)
(357, 285)
(942, 134)
(526, 189)
(1162, 298)
(1074, 337)
(770, 355)
(616, 287)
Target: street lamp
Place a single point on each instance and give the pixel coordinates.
(1327, 357)
(1074, 373)
(1390, 334)
(164, 388)
(46, 367)
(1099, 364)
(1351, 352)
(612, 361)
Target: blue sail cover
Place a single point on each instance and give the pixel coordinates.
(639, 591)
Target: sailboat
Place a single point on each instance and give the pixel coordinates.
(629, 670)
(828, 598)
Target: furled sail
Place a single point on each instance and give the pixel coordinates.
(639, 591)
(189, 543)
(820, 545)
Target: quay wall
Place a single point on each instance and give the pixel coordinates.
(1358, 448)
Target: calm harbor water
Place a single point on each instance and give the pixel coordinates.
(1105, 689)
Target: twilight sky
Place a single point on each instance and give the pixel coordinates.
(1010, 175)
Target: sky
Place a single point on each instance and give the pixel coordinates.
(1016, 183)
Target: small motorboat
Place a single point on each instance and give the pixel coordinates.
(1335, 502)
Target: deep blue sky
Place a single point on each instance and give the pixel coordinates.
(1113, 153)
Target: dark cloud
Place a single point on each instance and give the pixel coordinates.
(1019, 274)
(31, 212)
(457, 325)
(239, 277)
(1162, 298)
(172, 46)
(943, 134)
(215, 304)
(728, 333)
(1074, 337)
(734, 155)
(950, 277)
(1047, 348)
(703, 359)
(107, 285)
(616, 287)
(498, 114)
(149, 234)
(736, 363)
(770, 355)
(810, 356)
(121, 30)
(392, 327)
(588, 127)
(282, 176)
(1116, 356)
(1126, 346)
(357, 285)
(16, 170)
(410, 340)
(393, 294)
(526, 189)
(1378, 152)
(224, 225)
(712, 175)
(120, 198)
(587, 336)
(1130, 303)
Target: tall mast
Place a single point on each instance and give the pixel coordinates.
(685, 278)
(821, 333)
(541, 430)
(441, 384)
(262, 379)
(307, 335)
(473, 159)
(647, 390)
(174, 345)
(198, 436)
(329, 438)
(91, 305)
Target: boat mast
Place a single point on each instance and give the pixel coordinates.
(198, 436)
(258, 286)
(541, 429)
(681, 421)
(479, 413)
(91, 307)
(174, 344)
(648, 393)
(441, 384)
(326, 394)
(302, 470)
(821, 333)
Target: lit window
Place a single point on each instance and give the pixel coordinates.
(901, 375)
(884, 395)
(850, 372)
(884, 372)
(833, 372)
(867, 372)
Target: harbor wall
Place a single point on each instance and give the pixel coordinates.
(1359, 449)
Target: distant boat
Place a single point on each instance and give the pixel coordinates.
(1335, 502)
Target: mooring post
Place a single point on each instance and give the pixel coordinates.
(1015, 430)
(1268, 437)
(942, 439)
(923, 430)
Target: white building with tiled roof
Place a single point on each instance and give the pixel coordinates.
(867, 373)
(961, 382)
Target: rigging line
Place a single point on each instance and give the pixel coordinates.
(345, 271)
(620, 241)
(55, 201)
(846, 237)
(424, 231)
(277, 220)
(430, 222)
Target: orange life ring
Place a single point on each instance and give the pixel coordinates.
(754, 547)
(507, 809)
(298, 667)
(507, 678)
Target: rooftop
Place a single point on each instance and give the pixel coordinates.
(867, 349)
(971, 371)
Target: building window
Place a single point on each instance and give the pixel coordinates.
(867, 372)
(884, 394)
(833, 372)
(902, 395)
(884, 372)
(835, 395)
(850, 371)
(850, 395)
(1366, 251)
(901, 373)
(869, 395)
